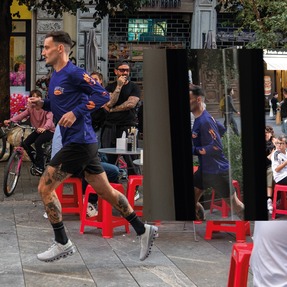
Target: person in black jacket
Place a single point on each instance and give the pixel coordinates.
(274, 103)
(229, 110)
(284, 112)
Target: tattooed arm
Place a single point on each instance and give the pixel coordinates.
(114, 96)
(130, 103)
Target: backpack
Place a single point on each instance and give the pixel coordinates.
(222, 104)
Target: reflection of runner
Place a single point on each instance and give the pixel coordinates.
(213, 168)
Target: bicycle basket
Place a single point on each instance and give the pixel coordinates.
(2, 133)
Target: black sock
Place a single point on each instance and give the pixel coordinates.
(60, 233)
(136, 223)
(269, 197)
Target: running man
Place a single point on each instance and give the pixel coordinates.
(73, 95)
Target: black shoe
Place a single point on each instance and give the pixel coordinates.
(38, 171)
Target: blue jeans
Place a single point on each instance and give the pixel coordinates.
(112, 172)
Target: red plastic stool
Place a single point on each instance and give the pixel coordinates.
(239, 264)
(133, 182)
(241, 228)
(105, 218)
(71, 203)
(282, 209)
(221, 204)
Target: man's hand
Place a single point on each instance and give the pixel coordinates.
(35, 102)
(202, 151)
(121, 81)
(67, 119)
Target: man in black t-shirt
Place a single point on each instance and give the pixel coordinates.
(122, 115)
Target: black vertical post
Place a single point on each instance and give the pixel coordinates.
(251, 73)
(180, 132)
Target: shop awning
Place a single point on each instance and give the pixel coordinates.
(276, 62)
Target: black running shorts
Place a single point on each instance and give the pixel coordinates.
(75, 158)
(220, 182)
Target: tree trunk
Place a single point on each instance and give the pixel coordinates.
(5, 32)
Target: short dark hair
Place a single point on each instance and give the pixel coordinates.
(229, 90)
(100, 75)
(285, 90)
(60, 37)
(282, 138)
(197, 91)
(120, 63)
(37, 92)
(275, 93)
(269, 129)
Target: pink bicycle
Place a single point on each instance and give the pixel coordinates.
(13, 169)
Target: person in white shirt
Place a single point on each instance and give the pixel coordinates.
(269, 255)
(279, 161)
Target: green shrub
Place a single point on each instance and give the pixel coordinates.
(232, 149)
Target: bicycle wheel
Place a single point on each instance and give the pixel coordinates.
(2, 144)
(12, 173)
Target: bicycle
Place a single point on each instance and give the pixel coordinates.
(3, 141)
(13, 169)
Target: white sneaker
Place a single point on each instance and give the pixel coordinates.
(270, 205)
(147, 240)
(91, 210)
(57, 251)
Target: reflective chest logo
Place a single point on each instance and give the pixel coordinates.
(58, 91)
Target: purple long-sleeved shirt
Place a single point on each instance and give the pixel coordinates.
(206, 135)
(72, 89)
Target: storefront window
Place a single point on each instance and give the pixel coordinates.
(20, 65)
(18, 56)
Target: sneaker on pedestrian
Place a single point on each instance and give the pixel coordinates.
(147, 240)
(57, 251)
(91, 210)
(270, 205)
(137, 195)
(199, 212)
(238, 206)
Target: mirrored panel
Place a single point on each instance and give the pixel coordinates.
(207, 144)
(216, 133)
